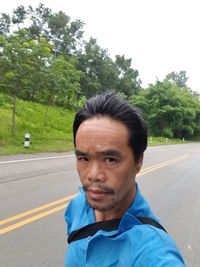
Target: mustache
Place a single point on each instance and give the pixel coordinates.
(103, 188)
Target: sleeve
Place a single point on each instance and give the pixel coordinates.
(155, 248)
(162, 257)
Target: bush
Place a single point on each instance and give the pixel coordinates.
(167, 132)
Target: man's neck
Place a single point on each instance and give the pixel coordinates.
(105, 216)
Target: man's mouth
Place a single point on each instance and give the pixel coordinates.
(97, 193)
(99, 189)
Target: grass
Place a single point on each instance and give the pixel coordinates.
(55, 135)
(153, 141)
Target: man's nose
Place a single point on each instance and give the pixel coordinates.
(95, 172)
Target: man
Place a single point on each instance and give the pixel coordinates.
(110, 138)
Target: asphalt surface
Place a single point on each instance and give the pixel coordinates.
(34, 189)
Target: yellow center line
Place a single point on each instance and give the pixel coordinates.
(66, 199)
(16, 217)
(160, 165)
(32, 219)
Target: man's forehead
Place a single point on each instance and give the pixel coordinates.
(105, 124)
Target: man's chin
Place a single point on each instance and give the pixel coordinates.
(99, 206)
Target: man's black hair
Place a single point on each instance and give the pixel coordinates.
(108, 104)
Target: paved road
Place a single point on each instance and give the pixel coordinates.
(34, 190)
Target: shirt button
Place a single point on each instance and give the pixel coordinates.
(89, 238)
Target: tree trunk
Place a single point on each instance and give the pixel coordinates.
(46, 111)
(13, 129)
(45, 115)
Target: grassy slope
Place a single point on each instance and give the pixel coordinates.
(55, 136)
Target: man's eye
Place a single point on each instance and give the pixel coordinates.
(111, 160)
(82, 158)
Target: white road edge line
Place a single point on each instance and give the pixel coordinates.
(35, 159)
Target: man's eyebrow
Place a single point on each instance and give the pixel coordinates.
(111, 152)
(80, 153)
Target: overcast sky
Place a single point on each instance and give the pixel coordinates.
(160, 36)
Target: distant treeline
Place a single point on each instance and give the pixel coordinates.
(45, 58)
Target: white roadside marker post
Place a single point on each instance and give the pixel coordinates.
(27, 140)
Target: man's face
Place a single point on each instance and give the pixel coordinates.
(105, 164)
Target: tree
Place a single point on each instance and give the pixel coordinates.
(64, 79)
(128, 81)
(98, 69)
(101, 73)
(66, 35)
(62, 84)
(20, 59)
(64, 38)
(171, 111)
(5, 22)
(19, 15)
(180, 79)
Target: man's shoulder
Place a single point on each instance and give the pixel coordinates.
(147, 233)
(155, 246)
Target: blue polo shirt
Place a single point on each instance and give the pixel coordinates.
(132, 244)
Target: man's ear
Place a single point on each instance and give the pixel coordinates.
(139, 163)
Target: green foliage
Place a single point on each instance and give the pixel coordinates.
(97, 68)
(180, 79)
(101, 73)
(44, 58)
(167, 132)
(62, 83)
(128, 81)
(170, 110)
